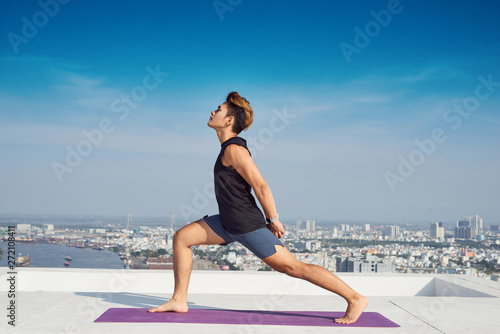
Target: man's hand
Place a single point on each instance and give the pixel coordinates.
(277, 228)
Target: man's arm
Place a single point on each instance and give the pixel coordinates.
(238, 157)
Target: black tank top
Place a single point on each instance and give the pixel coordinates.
(237, 207)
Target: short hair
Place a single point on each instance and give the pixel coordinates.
(239, 108)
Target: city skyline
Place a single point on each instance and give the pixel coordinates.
(113, 220)
(380, 111)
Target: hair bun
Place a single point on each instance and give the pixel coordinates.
(240, 108)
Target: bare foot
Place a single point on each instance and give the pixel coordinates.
(354, 310)
(171, 306)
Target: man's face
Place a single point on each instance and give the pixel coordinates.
(218, 117)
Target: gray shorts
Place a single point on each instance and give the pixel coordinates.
(261, 242)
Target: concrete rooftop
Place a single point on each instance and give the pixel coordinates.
(50, 300)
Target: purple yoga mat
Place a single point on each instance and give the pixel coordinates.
(243, 317)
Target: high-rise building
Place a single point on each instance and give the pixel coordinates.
(313, 245)
(310, 225)
(48, 228)
(479, 224)
(391, 232)
(172, 222)
(465, 230)
(476, 223)
(464, 223)
(298, 223)
(344, 227)
(366, 227)
(437, 230)
(129, 219)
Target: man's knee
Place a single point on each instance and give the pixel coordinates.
(175, 238)
(185, 237)
(179, 238)
(293, 269)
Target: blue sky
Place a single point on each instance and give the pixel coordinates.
(335, 134)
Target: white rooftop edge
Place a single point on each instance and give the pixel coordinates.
(64, 300)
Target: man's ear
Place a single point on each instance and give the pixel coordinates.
(230, 120)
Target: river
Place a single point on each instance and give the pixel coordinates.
(53, 256)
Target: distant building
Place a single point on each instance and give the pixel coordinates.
(313, 245)
(461, 271)
(437, 230)
(345, 228)
(310, 225)
(366, 227)
(368, 264)
(160, 263)
(231, 257)
(47, 227)
(370, 251)
(169, 239)
(476, 223)
(23, 228)
(299, 246)
(464, 252)
(465, 230)
(297, 225)
(495, 228)
(391, 232)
